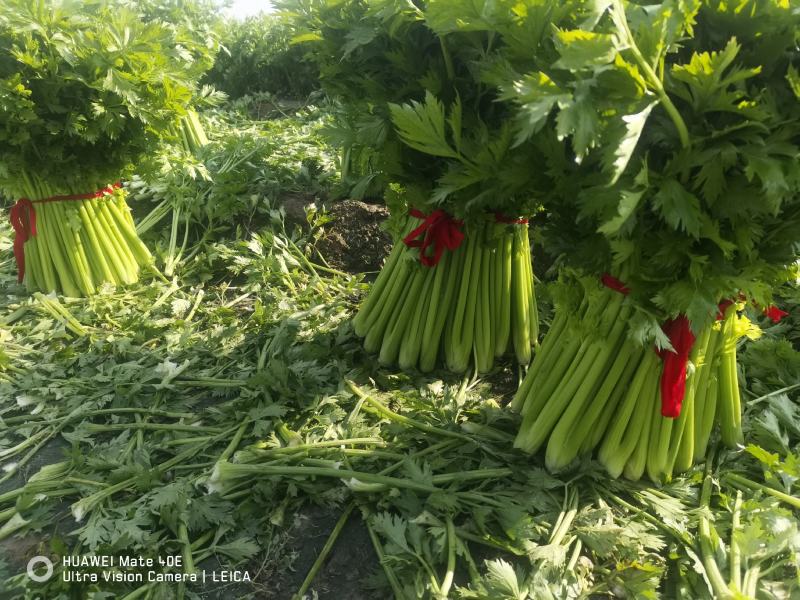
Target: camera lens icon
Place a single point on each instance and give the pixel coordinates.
(34, 563)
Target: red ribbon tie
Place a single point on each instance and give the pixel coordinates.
(615, 284)
(775, 314)
(501, 218)
(23, 220)
(722, 307)
(439, 230)
(673, 374)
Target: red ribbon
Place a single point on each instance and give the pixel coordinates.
(615, 284)
(677, 330)
(775, 314)
(772, 312)
(439, 230)
(722, 307)
(501, 218)
(673, 373)
(23, 219)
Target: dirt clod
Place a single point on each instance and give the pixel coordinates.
(354, 241)
(294, 209)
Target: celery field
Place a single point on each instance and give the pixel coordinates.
(419, 299)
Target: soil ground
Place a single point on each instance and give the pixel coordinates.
(350, 562)
(353, 240)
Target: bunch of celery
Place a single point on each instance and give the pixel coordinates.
(591, 388)
(82, 105)
(415, 102)
(476, 302)
(670, 135)
(81, 244)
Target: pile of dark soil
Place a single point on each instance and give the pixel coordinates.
(354, 241)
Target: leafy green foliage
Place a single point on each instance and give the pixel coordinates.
(422, 126)
(254, 338)
(236, 181)
(255, 335)
(669, 130)
(202, 370)
(87, 88)
(697, 198)
(257, 56)
(412, 98)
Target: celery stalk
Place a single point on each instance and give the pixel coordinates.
(405, 312)
(483, 342)
(502, 289)
(460, 328)
(610, 454)
(651, 407)
(730, 413)
(607, 411)
(520, 297)
(545, 357)
(376, 293)
(445, 280)
(585, 373)
(580, 419)
(411, 344)
(705, 400)
(380, 320)
(56, 249)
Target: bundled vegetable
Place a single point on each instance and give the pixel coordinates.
(458, 287)
(619, 398)
(476, 302)
(75, 242)
(86, 90)
(684, 122)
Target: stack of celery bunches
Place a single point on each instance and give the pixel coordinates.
(662, 144)
(70, 129)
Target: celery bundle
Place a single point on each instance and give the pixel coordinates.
(669, 134)
(437, 139)
(87, 90)
(76, 242)
(477, 301)
(591, 388)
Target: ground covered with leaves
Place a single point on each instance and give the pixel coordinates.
(226, 414)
